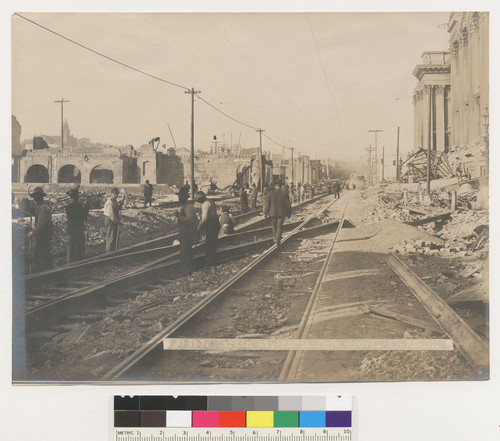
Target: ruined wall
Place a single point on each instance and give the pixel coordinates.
(170, 170)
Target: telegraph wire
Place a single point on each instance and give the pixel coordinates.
(327, 81)
(225, 114)
(263, 76)
(100, 54)
(175, 84)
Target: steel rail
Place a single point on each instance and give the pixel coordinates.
(39, 316)
(166, 253)
(146, 247)
(290, 366)
(140, 353)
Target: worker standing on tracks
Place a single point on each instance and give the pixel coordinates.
(253, 197)
(302, 193)
(112, 220)
(148, 193)
(243, 199)
(210, 224)
(187, 223)
(277, 207)
(42, 232)
(76, 216)
(336, 189)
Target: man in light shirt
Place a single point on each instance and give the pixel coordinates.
(112, 220)
(210, 224)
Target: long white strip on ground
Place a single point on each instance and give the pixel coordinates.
(240, 344)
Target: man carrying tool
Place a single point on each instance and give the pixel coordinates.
(42, 233)
(186, 221)
(76, 215)
(148, 193)
(277, 207)
(210, 224)
(112, 220)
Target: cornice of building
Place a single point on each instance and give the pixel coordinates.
(422, 69)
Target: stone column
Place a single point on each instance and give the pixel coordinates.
(415, 122)
(440, 126)
(426, 116)
(455, 95)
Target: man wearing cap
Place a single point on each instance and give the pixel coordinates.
(76, 215)
(148, 193)
(210, 224)
(277, 207)
(253, 196)
(42, 233)
(112, 220)
(186, 221)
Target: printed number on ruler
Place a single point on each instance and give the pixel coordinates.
(233, 434)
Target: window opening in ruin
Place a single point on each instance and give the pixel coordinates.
(101, 175)
(68, 174)
(37, 173)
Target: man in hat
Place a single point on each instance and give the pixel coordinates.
(277, 207)
(210, 224)
(243, 199)
(112, 220)
(148, 193)
(76, 215)
(42, 233)
(186, 221)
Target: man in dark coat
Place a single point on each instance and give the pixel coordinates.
(210, 224)
(186, 221)
(76, 215)
(42, 233)
(277, 207)
(243, 199)
(148, 193)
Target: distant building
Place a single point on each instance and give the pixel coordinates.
(16, 149)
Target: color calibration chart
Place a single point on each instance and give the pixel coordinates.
(233, 418)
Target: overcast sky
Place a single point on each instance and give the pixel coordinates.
(316, 81)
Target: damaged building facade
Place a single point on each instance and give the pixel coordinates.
(82, 162)
(451, 98)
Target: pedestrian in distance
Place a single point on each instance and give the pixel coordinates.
(209, 224)
(41, 235)
(302, 193)
(265, 190)
(76, 216)
(243, 200)
(148, 193)
(336, 188)
(253, 197)
(112, 220)
(277, 207)
(226, 221)
(187, 223)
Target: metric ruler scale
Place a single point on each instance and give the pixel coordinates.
(233, 434)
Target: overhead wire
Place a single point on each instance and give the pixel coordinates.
(101, 54)
(175, 84)
(264, 76)
(327, 81)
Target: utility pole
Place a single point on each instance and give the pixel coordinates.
(430, 142)
(261, 165)
(370, 164)
(383, 163)
(62, 101)
(398, 171)
(376, 131)
(192, 92)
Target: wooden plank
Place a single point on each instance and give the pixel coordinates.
(429, 219)
(428, 326)
(472, 346)
(299, 344)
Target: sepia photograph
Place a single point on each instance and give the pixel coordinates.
(250, 197)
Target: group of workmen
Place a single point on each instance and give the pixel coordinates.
(278, 199)
(40, 235)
